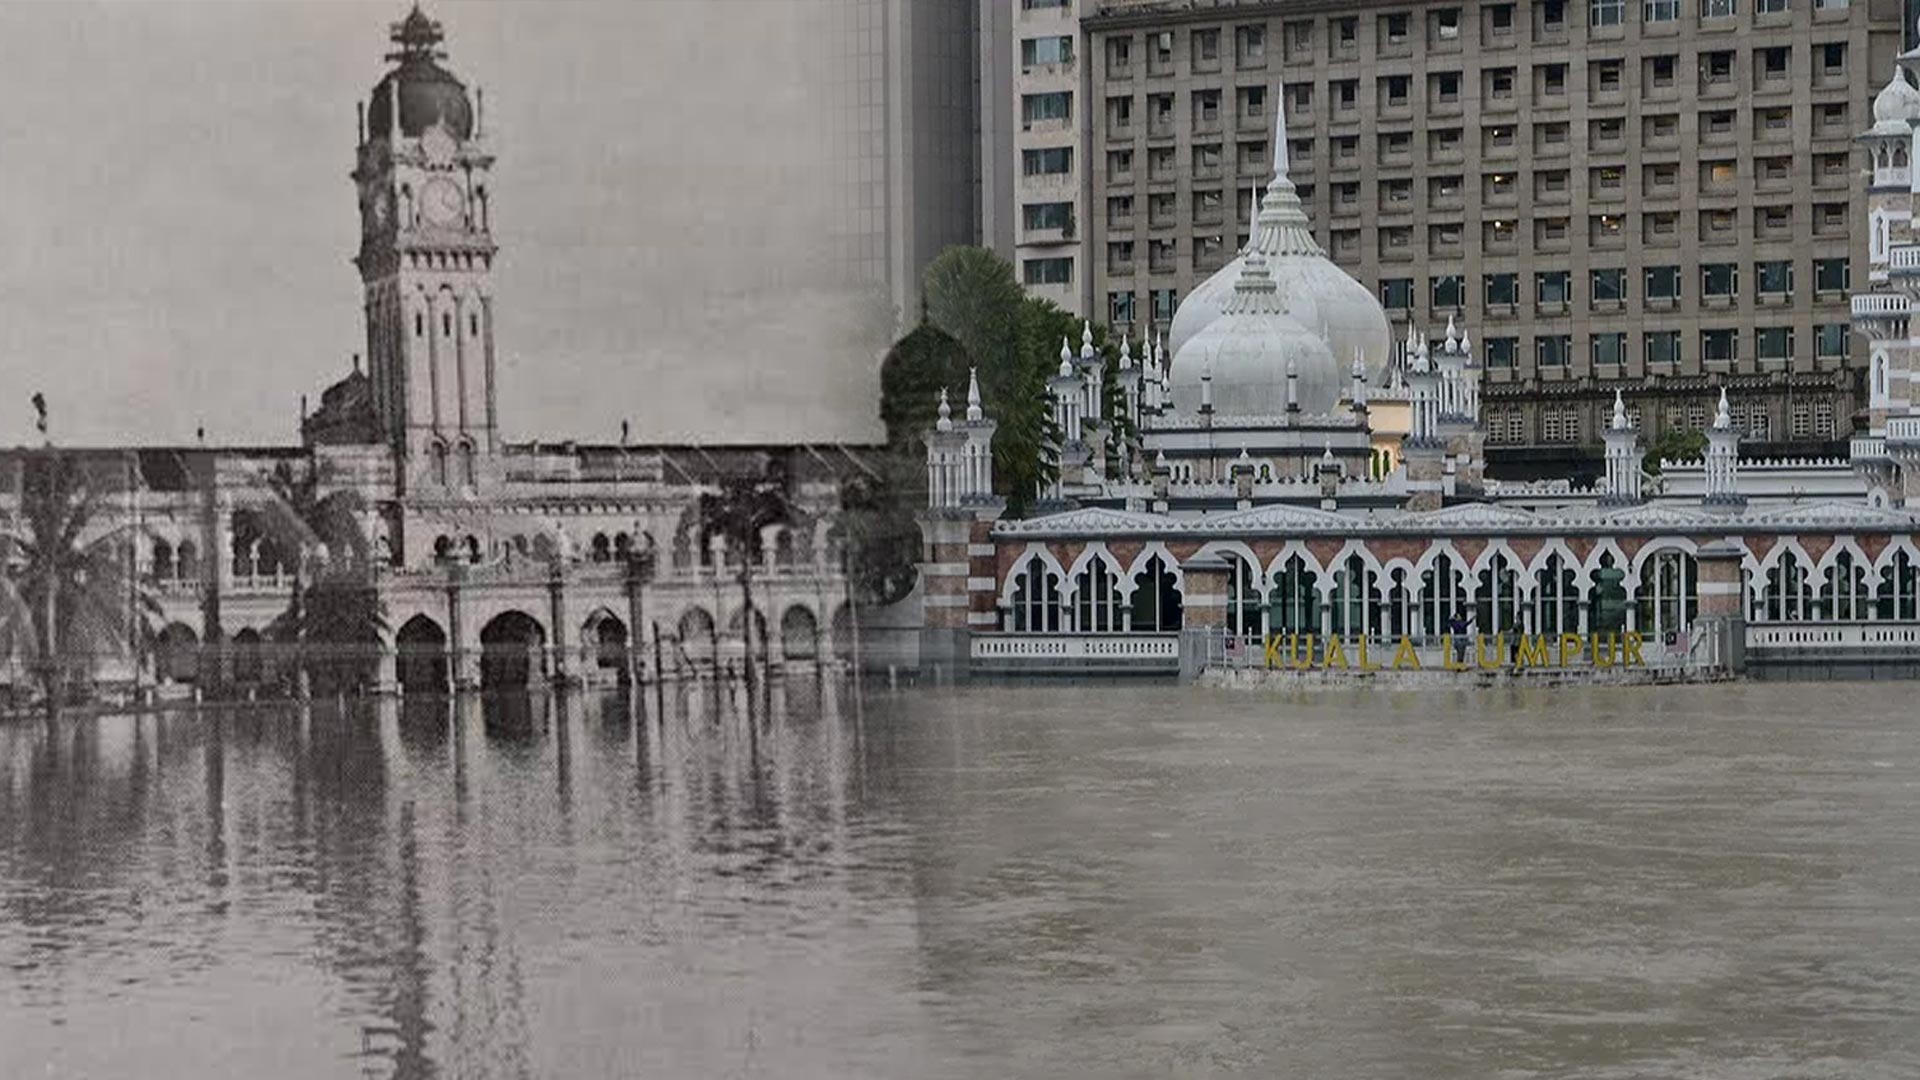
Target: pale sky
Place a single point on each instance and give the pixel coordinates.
(176, 220)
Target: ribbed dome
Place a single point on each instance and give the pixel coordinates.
(1316, 293)
(1896, 106)
(428, 93)
(1249, 350)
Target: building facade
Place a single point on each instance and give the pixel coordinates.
(1655, 195)
(493, 564)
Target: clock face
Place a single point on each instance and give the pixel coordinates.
(442, 203)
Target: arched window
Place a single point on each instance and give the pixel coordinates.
(162, 561)
(1669, 594)
(419, 324)
(473, 324)
(1442, 595)
(1036, 599)
(1843, 592)
(1156, 601)
(468, 471)
(1899, 583)
(1243, 600)
(1399, 608)
(1556, 598)
(187, 560)
(473, 549)
(1295, 604)
(442, 548)
(1786, 594)
(1497, 601)
(602, 548)
(1096, 599)
(440, 464)
(1355, 612)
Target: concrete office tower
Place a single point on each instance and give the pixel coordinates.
(1651, 196)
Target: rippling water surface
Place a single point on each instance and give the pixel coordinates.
(1685, 882)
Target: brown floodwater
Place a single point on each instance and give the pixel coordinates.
(1714, 882)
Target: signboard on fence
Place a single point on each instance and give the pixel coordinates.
(1478, 652)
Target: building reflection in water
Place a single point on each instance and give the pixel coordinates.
(433, 860)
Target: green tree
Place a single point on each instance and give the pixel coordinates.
(70, 592)
(1674, 444)
(914, 372)
(971, 293)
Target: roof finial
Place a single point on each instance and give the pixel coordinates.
(945, 423)
(1723, 417)
(1326, 455)
(1086, 340)
(1066, 357)
(974, 412)
(1453, 336)
(1126, 354)
(1619, 412)
(1280, 164)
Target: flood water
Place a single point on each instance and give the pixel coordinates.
(1698, 882)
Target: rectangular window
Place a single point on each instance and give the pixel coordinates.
(1503, 289)
(1802, 421)
(1771, 7)
(1500, 351)
(1449, 290)
(1052, 215)
(1552, 287)
(1719, 345)
(1609, 285)
(1656, 11)
(1120, 257)
(1719, 279)
(1553, 350)
(1054, 106)
(1164, 301)
(1607, 12)
(1052, 161)
(1832, 275)
(1049, 271)
(1774, 343)
(1719, 9)
(1396, 293)
(1774, 277)
(1609, 348)
(1662, 346)
(1663, 283)
(1830, 340)
(1206, 46)
(1046, 50)
(1120, 308)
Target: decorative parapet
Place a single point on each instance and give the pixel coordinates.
(1879, 305)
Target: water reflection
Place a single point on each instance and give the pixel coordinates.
(1004, 882)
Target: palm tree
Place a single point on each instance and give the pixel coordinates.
(69, 593)
(743, 508)
(332, 606)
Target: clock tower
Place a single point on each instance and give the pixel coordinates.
(426, 262)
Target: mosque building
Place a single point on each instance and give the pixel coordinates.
(1294, 470)
(495, 562)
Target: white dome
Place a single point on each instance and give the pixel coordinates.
(1317, 294)
(1249, 351)
(1898, 102)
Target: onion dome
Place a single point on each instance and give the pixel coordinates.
(1317, 294)
(1896, 107)
(428, 94)
(1260, 360)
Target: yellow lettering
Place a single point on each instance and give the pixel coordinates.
(1480, 651)
(1365, 664)
(1273, 649)
(1336, 654)
(1603, 656)
(1303, 660)
(1570, 646)
(1634, 641)
(1446, 654)
(1406, 656)
(1533, 652)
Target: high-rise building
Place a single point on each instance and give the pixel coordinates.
(1653, 195)
(898, 87)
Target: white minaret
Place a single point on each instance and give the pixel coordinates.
(1623, 458)
(977, 454)
(1723, 459)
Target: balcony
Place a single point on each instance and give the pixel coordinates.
(1903, 429)
(1904, 259)
(1879, 305)
(1867, 448)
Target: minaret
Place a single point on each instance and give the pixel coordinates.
(1623, 458)
(1723, 460)
(426, 262)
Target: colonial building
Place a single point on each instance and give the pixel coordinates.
(494, 562)
(1252, 495)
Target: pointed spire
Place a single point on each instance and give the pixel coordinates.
(1160, 461)
(945, 423)
(1126, 354)
(1466, 344)
(1086, 340)
(974, 412)
(1453, 336)
(1280, 163)
(1722, 417)
(1066, 358)
(1326, 455)
(1619, 412)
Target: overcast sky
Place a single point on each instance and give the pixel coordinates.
(176, 219)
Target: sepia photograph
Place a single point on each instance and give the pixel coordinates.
(959, 538)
